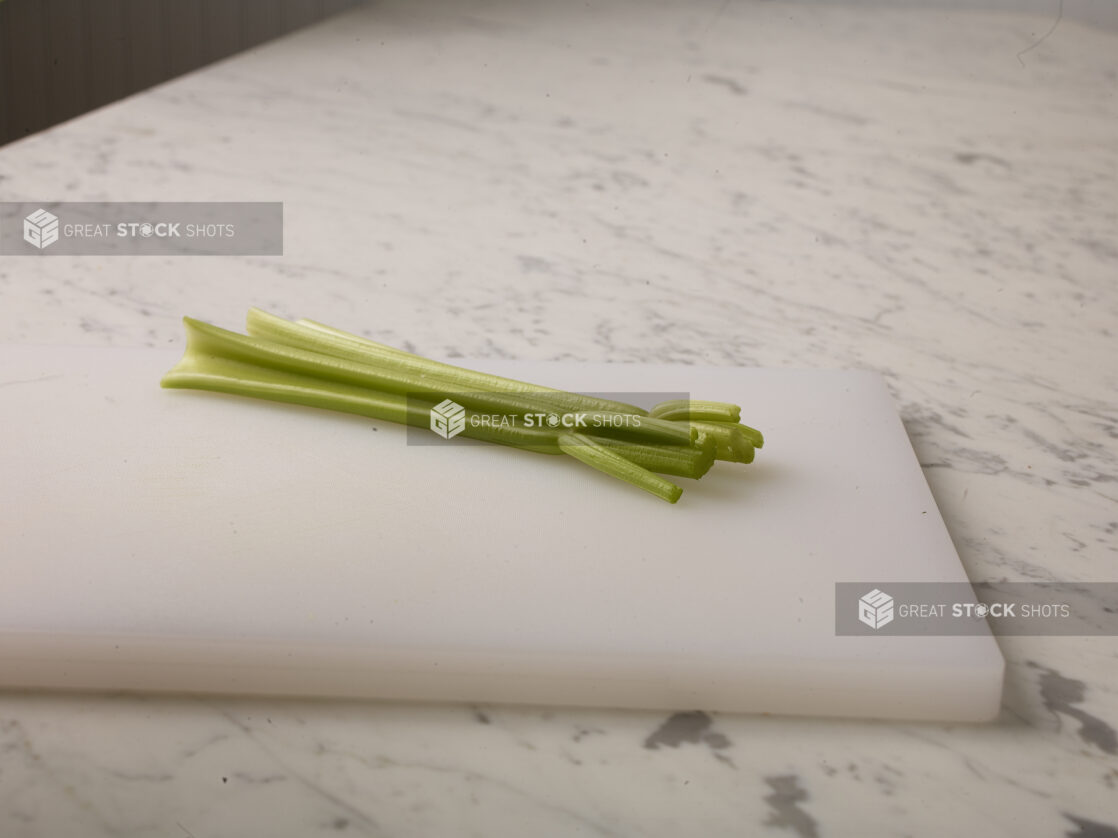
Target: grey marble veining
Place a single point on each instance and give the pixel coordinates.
(722, 183)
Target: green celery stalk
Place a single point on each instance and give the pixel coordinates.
(695, 409)
(318, 338)
(214, 340)
(731, 443)
(586, 450)
(200, 370)
(311, 364)
(197, 371)
(755, 437)
(681, 461)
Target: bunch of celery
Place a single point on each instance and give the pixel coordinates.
(307, 363)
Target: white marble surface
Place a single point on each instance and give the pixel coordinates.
(726, 183)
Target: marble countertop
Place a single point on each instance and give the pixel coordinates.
(909, 190)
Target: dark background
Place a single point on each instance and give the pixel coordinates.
(61, 58)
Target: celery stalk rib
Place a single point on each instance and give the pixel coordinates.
(696, 409)
(207, 338)
(334, 342)
(311, 364)
(221, 375)
(587, 451)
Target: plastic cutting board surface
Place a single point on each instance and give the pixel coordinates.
(177, 540)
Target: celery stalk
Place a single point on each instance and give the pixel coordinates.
(198, 371)
(695, 409)
(693, 461)
(311, 364)
(339, 344)
(731, 443)
(263, 352)
(607, 460)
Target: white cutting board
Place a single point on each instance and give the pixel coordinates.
(179, 540)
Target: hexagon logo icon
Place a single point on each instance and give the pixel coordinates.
(448, 419)
(40, 229)
(875, 609)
